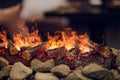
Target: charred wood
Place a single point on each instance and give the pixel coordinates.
(12, 49)
(101, 49)
(29, 53)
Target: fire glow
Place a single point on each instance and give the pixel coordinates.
(30, 40)
(63, 39)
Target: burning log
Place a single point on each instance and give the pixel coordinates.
(24, 48)
(57, 54)
(12, 49)
(61, 53)
(102, 50)
(29, 53)
(1, 45)
(73, 53)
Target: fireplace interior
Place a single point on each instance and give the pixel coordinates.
(77, 42)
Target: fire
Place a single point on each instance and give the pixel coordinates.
(69, 41)
(3, 37)
(53, 42)
(29, 40)
(83, 46)
(62, 40)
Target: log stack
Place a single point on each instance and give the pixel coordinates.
(73, 58)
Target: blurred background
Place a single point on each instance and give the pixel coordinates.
(100, 19)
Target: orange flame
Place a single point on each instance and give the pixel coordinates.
(29, 40)
(84, 41)
(65, 39)
(69, 41)
(3, 37)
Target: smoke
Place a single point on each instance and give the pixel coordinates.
(33, 8)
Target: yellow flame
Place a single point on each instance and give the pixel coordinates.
(69, 41)
(29, 40)
(63, 39)
(3, 37)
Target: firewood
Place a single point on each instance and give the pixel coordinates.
(12, 49)
(1, 45)
(26, 55)
(29, 53)
(105, 51)
(24, 48)
(57, 52)
(72, 53)
(101, 49)
(75, 51)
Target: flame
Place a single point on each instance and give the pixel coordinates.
(65, 41)
(53, 42)
(84, 41)
(69, 41)
(3, 37)
(25, 38)
(29, 40)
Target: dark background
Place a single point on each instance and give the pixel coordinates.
(100, 22)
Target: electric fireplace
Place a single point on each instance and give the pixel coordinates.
(66, 46)
(61, 55)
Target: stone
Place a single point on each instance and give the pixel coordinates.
(118, 68)
(30, 77)
(39, 66)
(92, 68)
(97, 72)
(117, 60)
(61, 70)
(19, 71)
(5, 71)
(3, 62)
(115, 51)
(79, 68)
(77, 75)
(45, 76)
(116, 74)
(101, 75)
